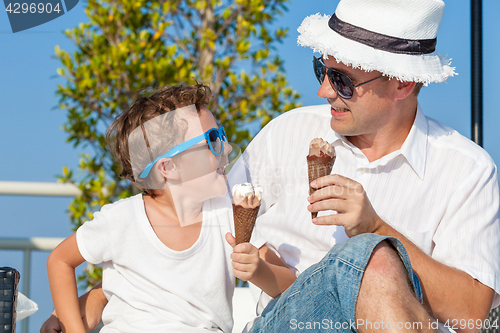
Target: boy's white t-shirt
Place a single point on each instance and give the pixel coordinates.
(152, 288)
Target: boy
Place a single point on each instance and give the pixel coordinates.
(166, 266)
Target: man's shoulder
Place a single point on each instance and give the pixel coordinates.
(296, 123)
(313, 112)
(444, 137)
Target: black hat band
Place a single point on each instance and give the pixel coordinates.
(380, 41)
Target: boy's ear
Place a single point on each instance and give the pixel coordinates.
(168, 169)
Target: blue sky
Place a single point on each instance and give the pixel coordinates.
(33, 146)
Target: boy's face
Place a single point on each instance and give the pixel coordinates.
(199, 169)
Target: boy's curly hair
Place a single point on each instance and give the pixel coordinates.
(144, 108)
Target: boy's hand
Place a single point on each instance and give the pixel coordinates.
(245, 258)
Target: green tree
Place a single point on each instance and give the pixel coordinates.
(128, 45)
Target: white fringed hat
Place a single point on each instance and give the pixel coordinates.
(394, 37)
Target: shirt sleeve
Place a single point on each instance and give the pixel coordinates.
(93, 239)
(469, 236)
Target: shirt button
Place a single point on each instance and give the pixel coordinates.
(362, 170)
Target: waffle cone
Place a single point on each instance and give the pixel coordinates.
(244, 221)
(318, 167)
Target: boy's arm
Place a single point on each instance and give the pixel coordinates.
(61, 271)
(272, 275)
(92, 304)
(261, 267)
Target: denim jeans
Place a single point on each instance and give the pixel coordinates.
(323, 298)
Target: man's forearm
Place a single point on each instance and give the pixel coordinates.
(92, 305)
(449, 293)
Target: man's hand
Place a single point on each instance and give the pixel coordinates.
(245, 258)
(348, 198)
(51, 325)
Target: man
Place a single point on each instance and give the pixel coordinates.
(397, 173)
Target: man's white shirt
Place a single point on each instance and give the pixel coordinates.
(440, 190)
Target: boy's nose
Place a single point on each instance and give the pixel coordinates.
(227, 149)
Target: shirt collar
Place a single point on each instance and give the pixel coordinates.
(414, 149)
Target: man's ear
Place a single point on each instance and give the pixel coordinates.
(168, 169)
(404, 89)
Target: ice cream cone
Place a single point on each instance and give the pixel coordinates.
(246, 204)
(244, 222)
(319, 163)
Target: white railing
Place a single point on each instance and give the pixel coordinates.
(27, 245)
(36, 188)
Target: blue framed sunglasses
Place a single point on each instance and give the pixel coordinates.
(214, 137)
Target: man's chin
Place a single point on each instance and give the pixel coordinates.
(335, 125)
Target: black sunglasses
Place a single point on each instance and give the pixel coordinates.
(341, 83)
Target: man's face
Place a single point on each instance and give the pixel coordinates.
(367, 112)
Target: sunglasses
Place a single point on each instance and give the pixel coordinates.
(341, 83)
(214, 137)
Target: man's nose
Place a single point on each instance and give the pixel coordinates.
(326, 90)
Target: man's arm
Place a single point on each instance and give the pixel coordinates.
(91, 303)
(449, 294)
(61, 266)
(261, 267)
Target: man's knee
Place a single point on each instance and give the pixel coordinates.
(385, 266)
(387, 292)
(384, 258)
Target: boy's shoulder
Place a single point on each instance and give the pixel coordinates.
(124, 206)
